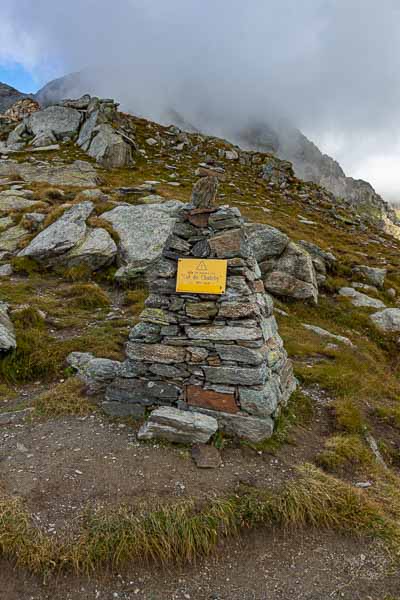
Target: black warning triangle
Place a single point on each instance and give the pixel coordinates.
(201, 266)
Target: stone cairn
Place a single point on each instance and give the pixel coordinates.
(204, 355)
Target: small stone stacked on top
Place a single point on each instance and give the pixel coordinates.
(218, 355)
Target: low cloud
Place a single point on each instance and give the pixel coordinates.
(329, 66)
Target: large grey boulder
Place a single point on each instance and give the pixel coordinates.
(266, 241)
(98, 249)
(61, 236)
(109, 148)
(387, 320)
(60, 120)
(142, 232)
(7, 333)
(374, 275)
(359, 299)
(179, 426)
(292, 275)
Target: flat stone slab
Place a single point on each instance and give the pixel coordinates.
(79, 173)
(224, 333)
(324, 333)
(175, 425)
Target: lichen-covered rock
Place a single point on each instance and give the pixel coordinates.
(179, 426)
(359, 299)
(61, 236)
(7, 332)
(109, 148)
(292, 275)
(266, 241)
(374, 275)
(98, 249)
(142, 232)
(61, 121)
(387, 320)
(11, 237)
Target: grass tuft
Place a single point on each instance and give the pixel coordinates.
(184, 532)
(66, 398)
(345, 453)
(87, 296)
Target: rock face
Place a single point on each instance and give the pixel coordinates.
(7, 333)
(387, 320)
(220, 355)
(98, 249)
(142, 232)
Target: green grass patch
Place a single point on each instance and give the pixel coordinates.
(87, 296)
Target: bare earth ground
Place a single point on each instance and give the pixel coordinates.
(262, 566)
(61, 466)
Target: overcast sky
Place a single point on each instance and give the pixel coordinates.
(331, 66)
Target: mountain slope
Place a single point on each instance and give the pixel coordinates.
(8, 95)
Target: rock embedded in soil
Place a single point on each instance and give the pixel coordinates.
(206, 457)
(7, 333)
(359, 299)
(374, 275)
(387, 320)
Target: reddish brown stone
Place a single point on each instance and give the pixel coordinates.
(259, 286)
(197, 396)
(199, 216)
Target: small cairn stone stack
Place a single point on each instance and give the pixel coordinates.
(218, 355)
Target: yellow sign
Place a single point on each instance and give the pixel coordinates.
(201, 276)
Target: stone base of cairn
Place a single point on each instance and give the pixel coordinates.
(219, 355)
